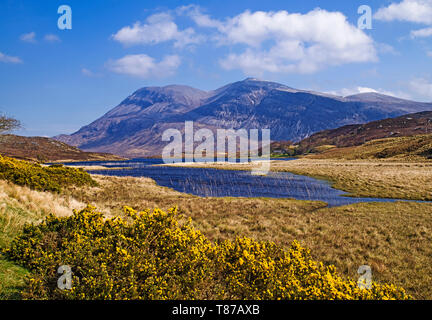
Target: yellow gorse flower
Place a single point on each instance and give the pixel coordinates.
(52, 178)
(152, 255)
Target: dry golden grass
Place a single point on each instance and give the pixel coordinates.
(362, 178)
(20, 205)
(217, 216)
(382, 179)
(393, 238)
(410, 148)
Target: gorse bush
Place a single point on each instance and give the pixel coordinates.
(158, 255)
(254, 270)
(51, 178)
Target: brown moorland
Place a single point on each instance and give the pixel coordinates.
(353, 135)
(43, 149)
(393, 238)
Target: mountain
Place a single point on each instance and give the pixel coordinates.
(353, 135)
(134, 128)
(46, 150)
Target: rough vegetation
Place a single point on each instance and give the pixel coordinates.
(376, 178)
(417, 148)
(356, 134)
(43, 149)
(152, 255)
(51, 178)
(365, 178)
(393, 238)
(20, 206)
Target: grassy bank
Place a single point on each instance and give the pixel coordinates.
(365, 178)
(12, 280)
(152, 254)
(20, 206)
(393, 238)
(381, 179)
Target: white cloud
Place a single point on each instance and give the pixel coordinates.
(51, 38)
(158, 28)
(419, 11)
(28, 37)
(89, 73)
(141, 65)
(301, 43)
(421, 33)
(422, 87)
(9, 59)
(201, 19)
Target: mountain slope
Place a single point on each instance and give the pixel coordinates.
(134, 128)
(386, 102)
(353, 135)
(407, 148)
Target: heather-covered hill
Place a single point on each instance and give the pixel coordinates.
(412, 148)
(46, 150)
(353, 135)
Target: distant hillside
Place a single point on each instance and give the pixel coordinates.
(416, 148)
(357, 134)
(134, 128)
(46, 150)
(282, 148)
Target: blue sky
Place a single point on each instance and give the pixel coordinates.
(56, 81)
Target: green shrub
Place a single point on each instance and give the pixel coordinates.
(151, 255)
(51, 178)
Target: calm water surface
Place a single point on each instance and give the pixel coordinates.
(222, 183)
